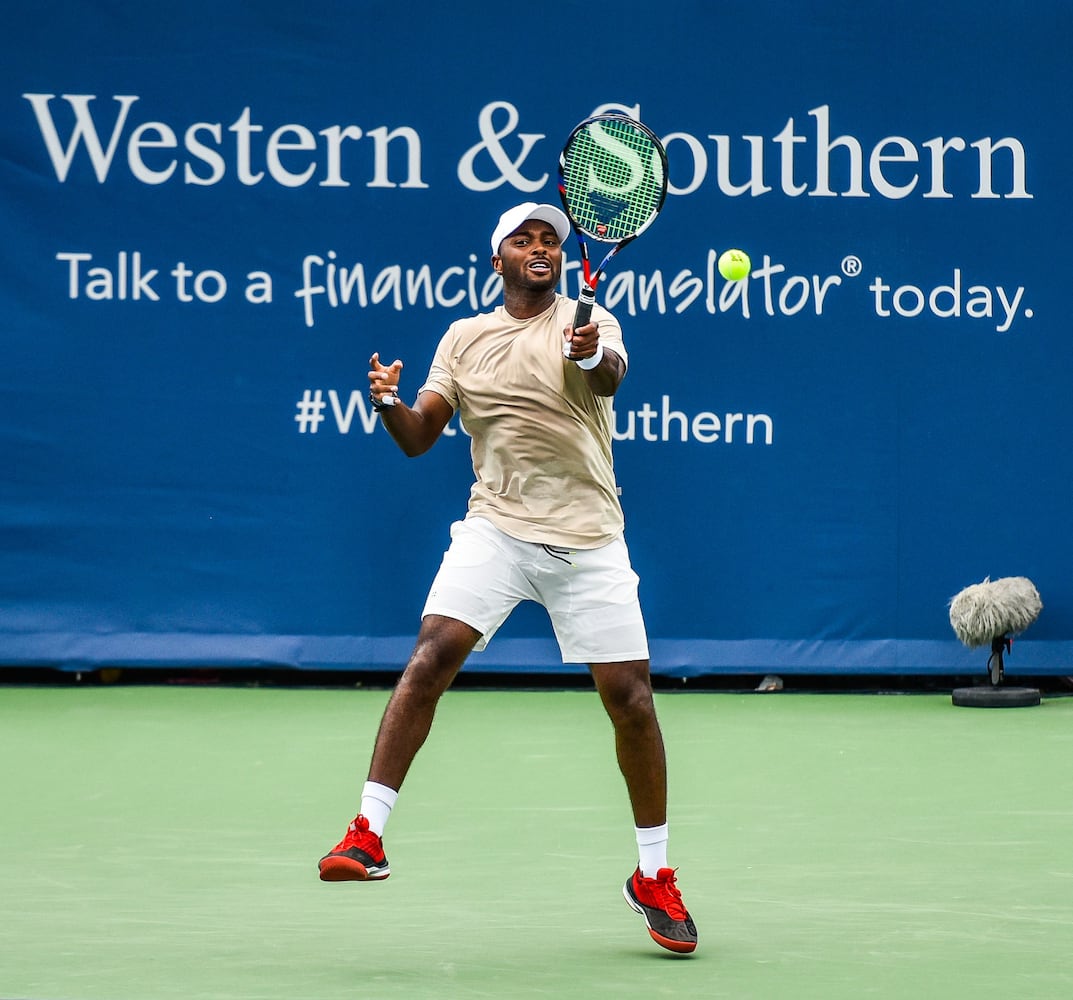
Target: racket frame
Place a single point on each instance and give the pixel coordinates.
(591, 278)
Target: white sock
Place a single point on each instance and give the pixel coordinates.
(652, 849)
(377, 801)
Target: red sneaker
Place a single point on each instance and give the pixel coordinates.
(358, 857)
(660, 903)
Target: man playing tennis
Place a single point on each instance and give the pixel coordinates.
(544, 524)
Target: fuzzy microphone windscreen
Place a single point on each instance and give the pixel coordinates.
(985, 611)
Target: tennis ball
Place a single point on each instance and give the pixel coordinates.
(735, 265)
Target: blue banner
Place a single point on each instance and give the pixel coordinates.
(214, 214)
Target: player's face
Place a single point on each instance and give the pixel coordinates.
(531, 257)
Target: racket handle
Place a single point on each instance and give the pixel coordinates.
(584, 305)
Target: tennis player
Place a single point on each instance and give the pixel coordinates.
(544, 524)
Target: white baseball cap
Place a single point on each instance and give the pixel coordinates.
(515, 218)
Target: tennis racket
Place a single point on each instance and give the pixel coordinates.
(612, 182)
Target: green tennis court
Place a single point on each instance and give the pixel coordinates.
(161, 841)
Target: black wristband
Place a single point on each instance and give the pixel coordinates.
(380, 406)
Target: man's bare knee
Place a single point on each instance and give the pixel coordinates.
(441, 649)
(626, 692)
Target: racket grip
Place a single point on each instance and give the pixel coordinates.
(584, 305)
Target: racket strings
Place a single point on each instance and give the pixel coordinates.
(614, 180)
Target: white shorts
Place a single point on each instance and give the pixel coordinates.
(590, 594)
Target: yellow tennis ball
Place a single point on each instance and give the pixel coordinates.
(735, 265)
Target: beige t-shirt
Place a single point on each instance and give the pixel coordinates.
(541, 439)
